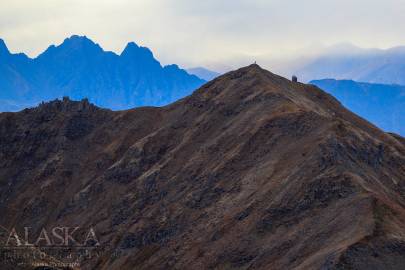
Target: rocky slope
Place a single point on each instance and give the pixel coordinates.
(80, 68)
(251, 171)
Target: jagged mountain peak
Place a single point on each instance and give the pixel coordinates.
(131, 46)
(77, 40)
(133, 50)
(3, 48)
(73, 46)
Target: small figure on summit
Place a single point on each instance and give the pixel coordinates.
(294, 78)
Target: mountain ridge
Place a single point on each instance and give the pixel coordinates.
(250, 171)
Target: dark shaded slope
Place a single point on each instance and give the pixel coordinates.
(250, 172)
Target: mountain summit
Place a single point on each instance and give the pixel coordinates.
(72, 47)
(252, 171)
(80, 68)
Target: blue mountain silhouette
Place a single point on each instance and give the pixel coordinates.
(80, 68)
(381, 104)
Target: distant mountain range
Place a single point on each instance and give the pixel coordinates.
(203, 73)
(80, 68)
(383, 105)
(353, 63)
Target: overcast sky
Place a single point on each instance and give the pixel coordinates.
(213, 33)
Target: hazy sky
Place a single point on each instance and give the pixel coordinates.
(211, 33)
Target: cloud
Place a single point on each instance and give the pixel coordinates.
(213, 33)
